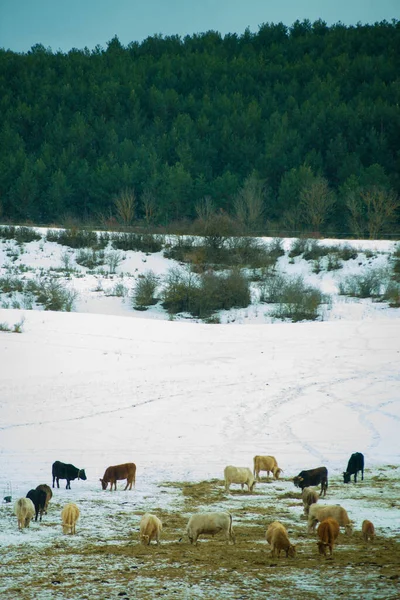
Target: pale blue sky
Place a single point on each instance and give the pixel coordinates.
(65, 24)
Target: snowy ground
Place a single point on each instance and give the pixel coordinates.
(182, 400)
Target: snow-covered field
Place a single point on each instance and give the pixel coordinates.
(182, 400)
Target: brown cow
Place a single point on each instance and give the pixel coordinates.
(328, 531)
(277, 537)
(309, 497)
(113, 474)
(49, 494)
(368, 530)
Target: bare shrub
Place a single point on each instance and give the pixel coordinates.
(298, 247)
(119, 290)
(371, 283)
(295, 299)
(144, 291)
(179, 291)
(205, 294)
(181, 249)
(52, 294)
(113, 259)
(89, 258)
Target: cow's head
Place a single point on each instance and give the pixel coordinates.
(322, 546)
(346, 477)
(82, 474)
(104, 484)
(298, 481)
(277, 471)
(251, 487)
(349, 528)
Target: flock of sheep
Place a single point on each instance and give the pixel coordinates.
(329, 517)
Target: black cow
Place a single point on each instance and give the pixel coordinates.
(313, 477)
(38, 498)
(355, 464)
(69, 472)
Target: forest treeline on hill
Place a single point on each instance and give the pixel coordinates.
(291, 129)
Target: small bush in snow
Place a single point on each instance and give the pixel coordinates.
(293, 298)
(119, 290)
(392, 294)
(112, 259)
(298, 301)
(9, 284)
(369, 284)
(275, 248)
(180, 288)
(271, 287)
(298, 247)
(66, 261)
(18, 327)
(222, 292)
(178, 251)
(314, 250)
(205, 294)
(52, 294)
(346, 252)
(90, 258)
(334, 263)
(144, 291)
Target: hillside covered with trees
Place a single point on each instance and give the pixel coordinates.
(284, 130)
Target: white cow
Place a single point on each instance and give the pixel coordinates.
(318, 513)
(24, 509)
(241, 475)
(150, 529)
(210, 524)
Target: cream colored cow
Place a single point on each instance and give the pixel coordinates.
(266, 463)
(150, 529)
(69, 515)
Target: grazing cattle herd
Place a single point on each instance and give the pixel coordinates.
(329, 518)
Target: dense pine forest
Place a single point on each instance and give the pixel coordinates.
(290, 129)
